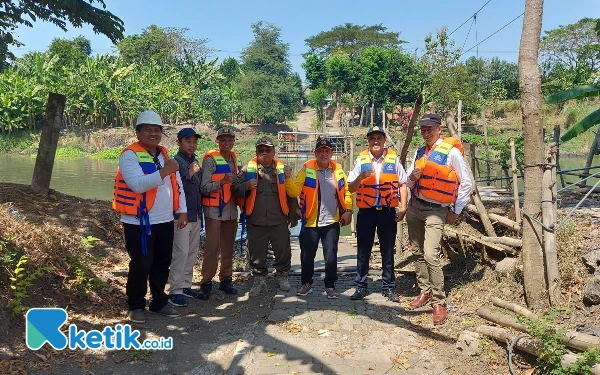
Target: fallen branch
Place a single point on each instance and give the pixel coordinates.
(504, 221)
(501, 319)
(453, 233)
(514, 308)
(527, 345)
(507, 241)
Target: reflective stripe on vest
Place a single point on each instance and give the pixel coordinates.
(222, 196)
(252, 173)
(310, 191)
(438, 181)
(386, 190)
(127, 201)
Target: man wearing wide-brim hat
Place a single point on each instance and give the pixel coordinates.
(378, 179)
(441, 187)
(325, 204)
(268, 212)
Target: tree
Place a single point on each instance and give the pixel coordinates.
(71, 53)
(317, 99)
(349, 39)
(164, 45)
(575, 47)
(340, 75)
(534, 273)
(315, 70)
(267, 89)
(58, 12)
(230, 69)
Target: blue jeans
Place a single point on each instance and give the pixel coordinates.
(367, 221)
(309, 243)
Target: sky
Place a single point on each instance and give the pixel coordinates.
(227, 24)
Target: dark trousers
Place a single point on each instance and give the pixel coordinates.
(367, 220)
(152, 267)
(309, 243)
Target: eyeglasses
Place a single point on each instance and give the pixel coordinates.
(263, 150)
(157, 162)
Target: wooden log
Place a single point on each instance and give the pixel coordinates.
(455, 234)
(410, 129)
(576, 340)
(549, 220)
(476, 198)
(501, 319)
(504, 221)
(515, 180)
(514, 308)
(527, 345)
(508, 241)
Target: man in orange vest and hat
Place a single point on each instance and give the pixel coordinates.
(325, 204)
(219, 168)
(268, 212)
(441, 188)
(378, 179)
(147, 192)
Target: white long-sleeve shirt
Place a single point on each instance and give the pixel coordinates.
(162, 210)
(457, 163)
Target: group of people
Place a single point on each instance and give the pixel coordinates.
(163, 203)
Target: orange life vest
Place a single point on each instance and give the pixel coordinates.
(222, 196)
(438, 181)
(387, 188)
(310, 191)
(252, 173)
(127, 201)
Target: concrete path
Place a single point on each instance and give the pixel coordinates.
(313, 334)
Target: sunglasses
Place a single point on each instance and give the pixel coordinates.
(157, 162)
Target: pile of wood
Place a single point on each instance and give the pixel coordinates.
(572, 339)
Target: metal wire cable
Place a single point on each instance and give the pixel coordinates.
(494, 33)
(474, 15)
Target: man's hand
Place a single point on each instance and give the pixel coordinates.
(451, 217)
(346, 218)
(293, 223)
(251, 184)
(171, 166)
(182, 220)
(399, 215)
(365, 174)
(415, 175)
(227, 179)
(287, 170)
(194, 168)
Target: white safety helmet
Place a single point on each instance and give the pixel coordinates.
(148, 118)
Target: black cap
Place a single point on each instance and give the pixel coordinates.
(225, 130)
(187, 132)
(430, 119)
(374, 129)
(323, 142)
(264, 141)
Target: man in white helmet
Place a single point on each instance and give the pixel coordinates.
(147, 191)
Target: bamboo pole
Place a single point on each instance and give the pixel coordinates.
(476, 198)
(515, 181)
(453, 233)
(486, 145)
(399, 226)
(411, 127)
(528, 345)
(459, 120)
(557, 141)
(514, 308)
(549, 220)
(504, 221)
(473, 155)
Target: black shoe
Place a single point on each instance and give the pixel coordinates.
(359, 294)
(227, 287)
(204, 292)
(390, 295)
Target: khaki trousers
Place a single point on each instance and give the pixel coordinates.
(425, 229)
(220, 237)
(185, 251)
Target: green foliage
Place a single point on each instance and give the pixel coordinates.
(70, 53)
(230, 69)
(350, 39)
(76, 12)
(504, 156)
(69, 152)
(552, 349)
(80, 268)
(109, 154)
(20, 281)
(315, 69)
(9, 255)
(316, 99)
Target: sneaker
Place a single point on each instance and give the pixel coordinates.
(258, 287)
(189, 292)
(331, 293)
(168, 310)
(390, 294)
(283, 281)
(177, 300)
(359, 294)
(137, 316)
(304, 289)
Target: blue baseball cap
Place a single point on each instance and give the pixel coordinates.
(187, 132)
(374, 129)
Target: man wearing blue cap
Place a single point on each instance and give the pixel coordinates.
(187, 239)
(378, 179)
(441, 188)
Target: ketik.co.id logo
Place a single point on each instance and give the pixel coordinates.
(43, 326)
